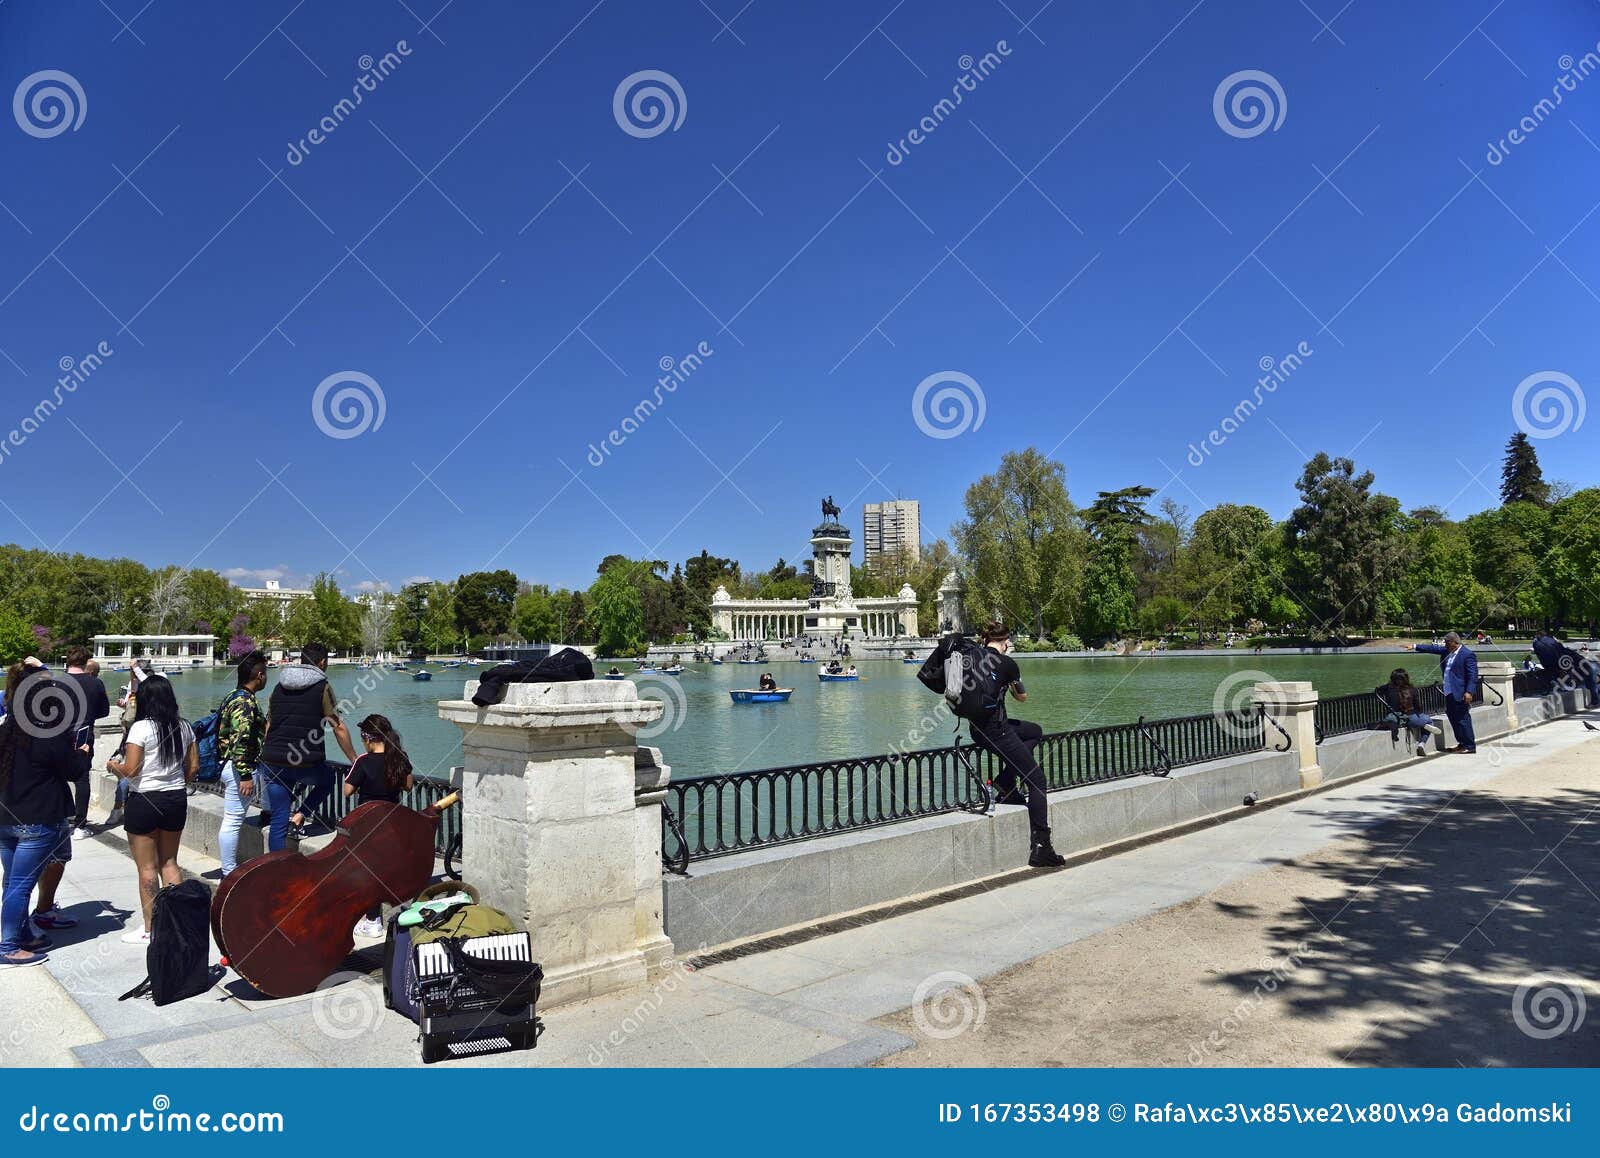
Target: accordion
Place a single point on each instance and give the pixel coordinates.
(476, 995)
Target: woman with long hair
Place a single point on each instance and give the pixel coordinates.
(159, 759)
(37, 768)
(1405, 709)
(383, 772)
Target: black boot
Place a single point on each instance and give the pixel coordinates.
(1040, 854)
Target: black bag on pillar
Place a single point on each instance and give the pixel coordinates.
(562, 666)
(178, 961)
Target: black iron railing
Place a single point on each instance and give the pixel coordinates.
(424, 791)
(1364, 711)
(1537, 682)
(719, 815)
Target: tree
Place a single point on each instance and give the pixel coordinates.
(1022, 545)
(1108, 584)
(484, 602)
(16, 637)
(535, 616)
(1521, 480)
(1343, 540)
(168, 601)
(575, 623)
(377, 618)
(327, 617)
(1228, 577)
(618, 613)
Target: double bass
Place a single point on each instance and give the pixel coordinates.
(284, 921)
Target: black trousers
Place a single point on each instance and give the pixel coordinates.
(81, 789)
(1013, 741)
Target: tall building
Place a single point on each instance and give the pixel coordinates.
(889, 528)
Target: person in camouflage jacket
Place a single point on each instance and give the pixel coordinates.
(241, 726)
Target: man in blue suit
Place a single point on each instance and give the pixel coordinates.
(1458, 670)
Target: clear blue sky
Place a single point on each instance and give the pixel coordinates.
(556, 259)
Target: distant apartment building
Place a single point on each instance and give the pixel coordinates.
(890, 528)
(275, 590)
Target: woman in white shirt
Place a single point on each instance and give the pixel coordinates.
(158, 761)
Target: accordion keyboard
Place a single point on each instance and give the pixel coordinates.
(434, 961)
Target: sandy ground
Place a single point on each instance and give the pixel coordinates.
(1467, 934)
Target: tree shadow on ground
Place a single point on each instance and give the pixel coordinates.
(1468, 934)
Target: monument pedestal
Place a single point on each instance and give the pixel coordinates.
(561, 827)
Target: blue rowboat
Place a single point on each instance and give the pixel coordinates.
(752, 661)
(645, 670)
(422, 676)
(836, 677)
(911, 661)
(618, 676)
(676, 669)
(779, 696)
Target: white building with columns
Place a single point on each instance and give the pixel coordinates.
(832, 610)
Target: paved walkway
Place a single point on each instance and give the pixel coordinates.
(1396, 943)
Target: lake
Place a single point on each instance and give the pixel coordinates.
(704, 733)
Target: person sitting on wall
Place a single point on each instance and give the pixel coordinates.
(1405, 709)
(1013, 741)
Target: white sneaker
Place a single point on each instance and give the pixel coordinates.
(1434, 730)
(136, 937)
(370, 929)
(1422, 749)
(82, 833)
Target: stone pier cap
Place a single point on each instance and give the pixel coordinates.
(574, 704)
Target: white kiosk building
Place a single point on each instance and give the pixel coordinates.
(165, 652)
(833, 610)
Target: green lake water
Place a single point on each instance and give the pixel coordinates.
(703, 732)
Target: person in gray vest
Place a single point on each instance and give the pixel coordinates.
(300, 713)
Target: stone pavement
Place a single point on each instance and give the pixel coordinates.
(859, 995)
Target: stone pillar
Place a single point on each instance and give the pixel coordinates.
(1497, 674)
(1293, 704)
(561, 827)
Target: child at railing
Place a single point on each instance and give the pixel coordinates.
(383, 772)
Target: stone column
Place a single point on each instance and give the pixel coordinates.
(561, 827)
(1293, 704)
(1497, 674)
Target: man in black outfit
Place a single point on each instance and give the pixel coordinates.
(1013, 741)
(95, 705)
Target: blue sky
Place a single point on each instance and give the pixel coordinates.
(483, 240)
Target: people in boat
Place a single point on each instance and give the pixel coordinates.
(768, 684)
(614, 670)
(851, 670)
(835, 667)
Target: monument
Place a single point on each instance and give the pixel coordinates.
(832, 611)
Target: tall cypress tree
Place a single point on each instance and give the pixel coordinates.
(1521, 480)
